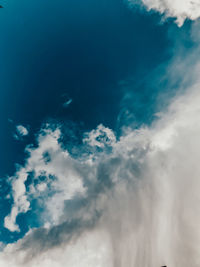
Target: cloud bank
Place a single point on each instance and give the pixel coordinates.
(179, 9)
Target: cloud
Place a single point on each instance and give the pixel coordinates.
(179, 9)
(52, 171)
(100, 137)
(128, 201)
(135, 205)
(21, 131)
(55, 175)
(92, 248)
(67, 103)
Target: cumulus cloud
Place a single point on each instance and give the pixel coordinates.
(91, 249)
(131, 201)
(135, 205)
(179, 9)
(55, 175)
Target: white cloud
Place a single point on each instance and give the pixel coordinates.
(21, 131)
(179, 9)
(100, 137)
(61, 179)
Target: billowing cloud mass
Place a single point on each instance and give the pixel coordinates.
(125, 201)
(129, 202)
(179, 9)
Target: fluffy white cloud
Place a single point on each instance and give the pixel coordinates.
(59, 178)
(62, 176)
(179, 9)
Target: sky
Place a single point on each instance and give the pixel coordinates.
(99, 114)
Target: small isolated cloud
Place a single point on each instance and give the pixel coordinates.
(179, 9)
(67, 103)
(21, 131)
(54, 173)
(10, 120)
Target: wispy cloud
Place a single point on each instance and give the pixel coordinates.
(67, 103)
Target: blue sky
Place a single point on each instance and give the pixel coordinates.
(97, 100)
(75, 51)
